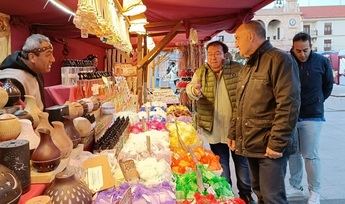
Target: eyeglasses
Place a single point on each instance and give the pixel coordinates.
(217, 54)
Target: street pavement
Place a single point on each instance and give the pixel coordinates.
(332, 152)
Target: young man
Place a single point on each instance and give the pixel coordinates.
(268, 100)
(316, 80)
(26, 67)
(213, 86)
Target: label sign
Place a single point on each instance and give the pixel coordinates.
(129, 170)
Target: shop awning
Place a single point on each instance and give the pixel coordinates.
(206, 16)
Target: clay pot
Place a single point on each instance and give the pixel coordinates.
(89, 104)
(108, 108)
(66, 188)
(75, 109)
(10, 127)
(57, 113)
(84, 105)
(10, 188)
(61, 139)
(28, 134)
(33, 109)
(96, 102)
(40, 200)
(83, 126)
(23, 114)
(12, 91)
(44, 122)
(46, 156)
(72, 132)
(15, 155)
(3, 97)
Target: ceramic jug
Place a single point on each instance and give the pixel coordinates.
(33, 109)
(72, 132)
(15, 155)
(10, 188)
(44, 122)
(61, 139)
(83, 126)
(10, 127)
(66, 188)
(28, 134)
(12, 91)
(46, 156)
(3, 97)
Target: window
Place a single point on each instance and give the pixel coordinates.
(278, 33)
(327, 45)
(221, 38)
(328, 29)
(306, 29)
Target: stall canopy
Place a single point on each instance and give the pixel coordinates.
(206, 16)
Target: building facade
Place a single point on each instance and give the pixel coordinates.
(325, 24)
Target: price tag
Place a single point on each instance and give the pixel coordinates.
(105, 80)
(98, 173)
(129, 170)
(93, 178)
(95, 89)
(148, 144)
(143, 124)
(147, 109)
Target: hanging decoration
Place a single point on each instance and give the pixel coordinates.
(101, 18)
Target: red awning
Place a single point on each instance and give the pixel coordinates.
(206, 16)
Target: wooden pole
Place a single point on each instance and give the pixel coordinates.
(154, 52)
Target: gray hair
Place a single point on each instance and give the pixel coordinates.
(34, 41)
(257, 27)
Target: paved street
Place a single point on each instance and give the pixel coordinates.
(332, 151)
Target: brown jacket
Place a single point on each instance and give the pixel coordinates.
(268, 100)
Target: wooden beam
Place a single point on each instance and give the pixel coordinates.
(140, 71)
(161, 24)
(144, 68)
(119, 6)
(158, 34)
(154, 52)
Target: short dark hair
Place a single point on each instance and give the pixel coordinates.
(257, 27)
(218, 43)
(302, 36)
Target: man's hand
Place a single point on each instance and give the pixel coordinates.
(232, 144)
(272, 154)
(196, 89)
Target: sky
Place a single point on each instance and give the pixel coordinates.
(316, 3)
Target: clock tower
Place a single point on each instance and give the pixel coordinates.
(291, 6)
(282, 22)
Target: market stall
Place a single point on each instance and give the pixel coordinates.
(105, 137)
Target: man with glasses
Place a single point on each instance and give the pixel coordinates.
(213, 86)
(25, 67)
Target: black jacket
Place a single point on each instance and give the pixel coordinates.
(316, 78)
(14, 61)
(268, 101)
